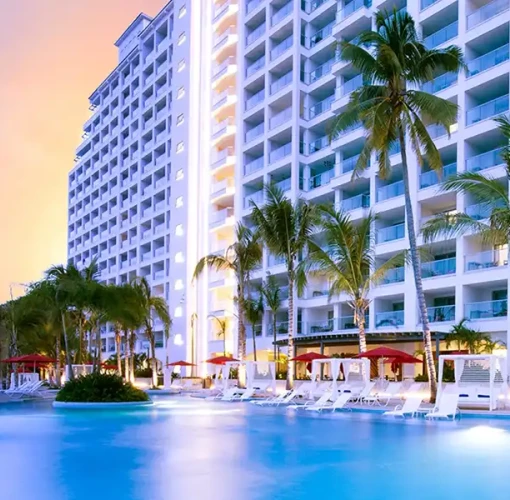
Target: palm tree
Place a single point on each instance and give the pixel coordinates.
(271, 292)
(242, 258)
(254, 309)
(152, 306)
(349, 262)
(222, 331)
(286, 229)
(393, 61)
(473, 340)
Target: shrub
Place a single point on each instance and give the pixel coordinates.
(100, 388)
(144, 372)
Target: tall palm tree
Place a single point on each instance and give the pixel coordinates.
(272, 297)
(254, 309)
(242, 258)
(393, 61)
(349, 262)
(152, 307)
(473, 340)
(222, 331)
(286, 229)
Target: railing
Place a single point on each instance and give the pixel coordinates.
(321, 179)
(351, 85)
(220, 70)
(318, 144)
(484, 13)
(220, 156)
(348, 323)
(349, 163)
(255, 34)
(281, 14)
(282, 47)
(489, 60)
(219, 99)
(395, 275)
(254, 132)
(255, 66)
(390, 191)
(310, 5)
(218, 187)
(487, 110)
(320, 35)
(320, 107)
(223, 38)
(440, 83)
(480, 211)
(439, 267)
(282, 82)
(391, 233)
(284, 184)
(255, 99)
(390, 318)
(257, 197)
(427, 3)
(487, 309)
(439, 314)
(250, 6)
(273, 260)
(220, 216)
(220, 10)
(486, 260)
(485, 160)
(281, 152)
(220, 128)
(355, 202)
(319, 72)
(431, 177)
(280, 118)
(254, 165)
(442, 35)
(321, 326)
(351, 7)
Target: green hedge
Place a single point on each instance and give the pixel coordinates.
(100, 388)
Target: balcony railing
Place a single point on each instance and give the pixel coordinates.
(441, 36)
(219, 217)
(486, 260)
(351, 85)
(318, 144)
(349, 163)
(282, 82)
(390, 191)
(221, 156)
(320, 35)
(255, 66)
(257, 198)
(351, 7)
(395, 275)
(255, 99)
(486, 12)
(284, 184)
(250, 6)
(221, 127)
(480, 211)
(220, 70)
(254, 132)
(431, 177)
(319, 72)
(310, 5)
(281, 152)
(355, 202)
(321, 179)
(389, 319)
(441, 267)
(489, 60)
(487, 110)
(320, 107)
(273, 260)
(282, 47)
(254, 166)
(486, 309)
(281, 14)
(221, 98)
(439, 314)
(222, 39)
(348, 323)
(255, 34)
(280, 118)
(391, 233)
(427, 3)
(440, 83)
(485, 160)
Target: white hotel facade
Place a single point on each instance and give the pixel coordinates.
(210, 101)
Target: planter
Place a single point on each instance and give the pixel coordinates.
(101, 406)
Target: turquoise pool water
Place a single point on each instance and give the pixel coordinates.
(192, 449)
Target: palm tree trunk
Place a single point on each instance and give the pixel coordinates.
(117, 348)
(97, 365)
(57, 357)
(359, 318)
(254, 342)
(415, 261)
(153, 359)
(241, 329)
(132, 356)
(69, 367)
(275, 349)
(80, 337)
(126, 355)
(290, 352)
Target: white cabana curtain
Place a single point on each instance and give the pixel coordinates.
(347, 368)
(315, 374)
(250, 372)
(458, 369)
(335, 371)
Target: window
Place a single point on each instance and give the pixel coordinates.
(179, 230)
(178, 339)
(179, 285)
(181, 65)
(180, 147)
(182, 11)
(179, 202)
(178, 312)
(180, 93)
(180, 119)
(181, 39)
(179, 258)
(179, 175)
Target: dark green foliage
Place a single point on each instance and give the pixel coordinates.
(100, 388)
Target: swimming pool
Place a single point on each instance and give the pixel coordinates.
(193, 449)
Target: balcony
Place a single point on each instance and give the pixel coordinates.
(282, 82)
(158, 275)
(427, 3)
(318, 144)
(440, 83)
(348, 323)
(255, 99)
(441, 267)
(355, 202)
(254, 67)
(281, 14)
(224, 127)
(253, 133)
(487, 309)
(224, 97)
(487, 110)
(431, 178)
(485, 160)
(486, 12)
(255, 34)
(221, 10)
(257, 198)
(351, 7)
(222, 188)
(252, 5)
(349, 164)
(441, 36)
(440, 314)
(321, 179)
(481, 211)
(281, 152)
(280, 118)
(310, 6)
(273, 260)
(489, 259)
(222, 157)
(227, 66)
(487, 61)
(281, 48)
(319, 72)
(390, 191)
(320, 108)
(221, 217)
(351, 85)
(320, 35)
(284, 185)
(395, 275)
(391, 233)
(254, 166)
(389, 319)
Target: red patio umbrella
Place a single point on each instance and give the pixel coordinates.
(220, 360)
(385, 352)
(309, 357)
(181, 363)
(30, 358)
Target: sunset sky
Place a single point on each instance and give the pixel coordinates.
(53, 54)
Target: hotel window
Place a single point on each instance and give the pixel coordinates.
(179, 257)
(178, 312)
(180, 119)
(180, 147)
(181, 39)
(179, 202)
(179, 285)
(181, 65)
(180, 93)
(182, 11)
(179, 230)
(179, 175)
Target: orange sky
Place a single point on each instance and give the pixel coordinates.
(53, 54)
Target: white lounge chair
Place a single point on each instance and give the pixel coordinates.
(446, 408)
(229, 394)
(315, 404)
(410, 407)
(365, 392)
(338, 404)
(275, 400)
(245, 395)
(392, 391)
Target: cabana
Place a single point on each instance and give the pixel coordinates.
(480, 379)
(261, 375)
(355, 370)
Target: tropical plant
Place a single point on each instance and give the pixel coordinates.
(152, 306)
(286, 229)
(393, 61)
(222, 331)
(473, 340)
(272, 297)
(254, 309)
(242, 258)
(349, 262)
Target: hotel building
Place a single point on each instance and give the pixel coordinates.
(206, 107)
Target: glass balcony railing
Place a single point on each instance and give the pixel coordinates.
(351, 85)
(320, 35)
(282, 82)
(439, 267)
(254, 132)
(256, 34)
(254, 166)
(441, 36)
(486, 309)
(431, 178)
(273, 260)
(310, 5)
(487, 110)
(256, 198)
(255, 99)
(486, 12)
(391, 233)
(318, 144)
(351, 7)
(439, 314)
(480, 211)
(395, 275)
(255, 66)
(281, 47)
(324, 326)
(355, 202)
(284, 184)
(281, 152)
(390, 191)
(440, 83)
(489, 60)
(319, 72)
(486, 260)
(281, 14)
(389, 319)
(280, 118)
(485, 160)
(252, 5)
(349, 164)
(348, 323)
(321, 179)
(427, 3)
(320, 107)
